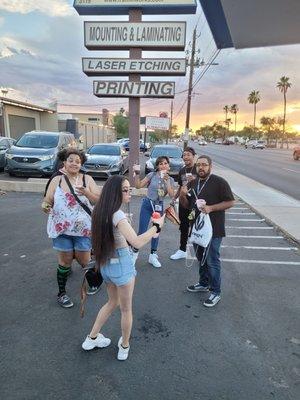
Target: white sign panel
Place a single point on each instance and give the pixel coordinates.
(125, 66)
(121, 7)
(158, 123)
(134, 89)
(125, 35)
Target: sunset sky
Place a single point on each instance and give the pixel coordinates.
(41, 45)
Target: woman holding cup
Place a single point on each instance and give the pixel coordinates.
(159, 185)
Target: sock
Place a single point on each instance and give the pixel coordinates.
(62, 276)
(153, 251)
(124, 347)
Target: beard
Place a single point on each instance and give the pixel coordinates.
(203, 174)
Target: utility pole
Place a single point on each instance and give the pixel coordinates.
(191, 63)
(169, 132)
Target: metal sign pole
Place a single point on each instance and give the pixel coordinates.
(135, 15)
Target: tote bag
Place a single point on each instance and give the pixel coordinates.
(202, 231)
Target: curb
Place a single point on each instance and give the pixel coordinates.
(38, 186)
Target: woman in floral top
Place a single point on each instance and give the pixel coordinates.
(69, 223)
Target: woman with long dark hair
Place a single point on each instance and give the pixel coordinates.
(111, 233)
(159, 184)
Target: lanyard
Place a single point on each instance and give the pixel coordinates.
(199, 190)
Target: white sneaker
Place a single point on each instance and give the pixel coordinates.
(122, 353)
(100, 341)
(178, 255)
(153, 259)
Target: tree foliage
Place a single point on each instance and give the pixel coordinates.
(121, 124)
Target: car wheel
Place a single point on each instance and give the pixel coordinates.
(11, 173)
(295, 156)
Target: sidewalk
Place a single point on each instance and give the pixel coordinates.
(278, 208)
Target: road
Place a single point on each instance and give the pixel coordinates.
(272, 167)
(245, 348)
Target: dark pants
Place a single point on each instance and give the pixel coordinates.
(210, 270)
(184, 226)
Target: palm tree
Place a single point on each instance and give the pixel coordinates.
(254, 98)
(234, 110)
(227, 110)
(283, 85)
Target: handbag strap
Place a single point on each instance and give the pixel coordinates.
(84, 206)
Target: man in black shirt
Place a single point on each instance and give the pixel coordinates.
(218, 197)
(186, 175)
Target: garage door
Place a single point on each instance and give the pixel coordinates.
(19, 125)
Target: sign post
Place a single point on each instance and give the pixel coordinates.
(135, 35)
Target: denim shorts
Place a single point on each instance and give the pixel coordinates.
(120, 270)
(70, 243)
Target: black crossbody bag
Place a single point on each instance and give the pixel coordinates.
(84, 206)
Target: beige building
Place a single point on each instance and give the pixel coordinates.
(89, 127)
(17, 117)
(80, 113)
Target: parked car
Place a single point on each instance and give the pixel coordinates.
(122, 140)
(255, 144)
(143, 147)
(175, 156)
(105, 159)
(218, 141)
(5, 144)
(35, 153)
(296, 153)
(228, 142)
(202, 142)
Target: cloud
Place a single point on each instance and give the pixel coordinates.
(54, 8)
(10, 47)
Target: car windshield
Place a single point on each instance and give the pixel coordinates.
(38, 141)
(171, 152)
(105, 150)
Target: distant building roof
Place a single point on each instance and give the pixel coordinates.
(24, 104)
(253, 23)
(78, 109)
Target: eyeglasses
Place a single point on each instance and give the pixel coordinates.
(127, 190)
(202, 165)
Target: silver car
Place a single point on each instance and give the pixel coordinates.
(105, 159)
(5, 144)
(35, 153)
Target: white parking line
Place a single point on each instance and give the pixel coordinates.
(260, 262)
(240, 213)
(250, 227)
(245, 219)
(291, 170)
(260, 248)
(255, 237)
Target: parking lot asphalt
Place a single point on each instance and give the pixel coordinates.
(245, 348)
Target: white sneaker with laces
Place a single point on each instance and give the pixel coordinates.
(212, 300)
(178, 255)
(153, 259)
(122, 353)
(100, 341)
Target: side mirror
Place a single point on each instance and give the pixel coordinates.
(147, 154)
